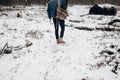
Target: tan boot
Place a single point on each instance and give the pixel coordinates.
(61, 40)
(57, 41)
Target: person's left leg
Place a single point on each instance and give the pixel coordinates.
(56, 28)
(55, 20)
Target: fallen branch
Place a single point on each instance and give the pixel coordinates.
(6, 49)
(114, 21)
(2, 51)
(98, 29)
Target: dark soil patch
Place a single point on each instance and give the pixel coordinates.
(111, 58)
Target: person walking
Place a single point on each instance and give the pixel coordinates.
(52, 13)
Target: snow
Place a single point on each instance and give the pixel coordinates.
(77, 59)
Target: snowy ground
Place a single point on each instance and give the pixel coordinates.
(78, 59)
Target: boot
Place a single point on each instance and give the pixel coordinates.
(57, 41)
(61, 40)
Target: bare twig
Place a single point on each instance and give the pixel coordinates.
(6, 45)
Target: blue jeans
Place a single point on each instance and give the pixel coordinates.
(58, 22)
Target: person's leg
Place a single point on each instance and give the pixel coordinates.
(62, 25)
(56, 28)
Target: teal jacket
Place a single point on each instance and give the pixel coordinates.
(52, 7)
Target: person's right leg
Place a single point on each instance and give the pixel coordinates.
(62, 25)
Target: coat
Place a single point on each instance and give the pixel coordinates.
(52, 7)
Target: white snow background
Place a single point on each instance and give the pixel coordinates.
(77, 59)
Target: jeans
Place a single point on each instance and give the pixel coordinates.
(58, 22)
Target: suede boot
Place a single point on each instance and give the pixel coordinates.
(57, 41)
(61, 40)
